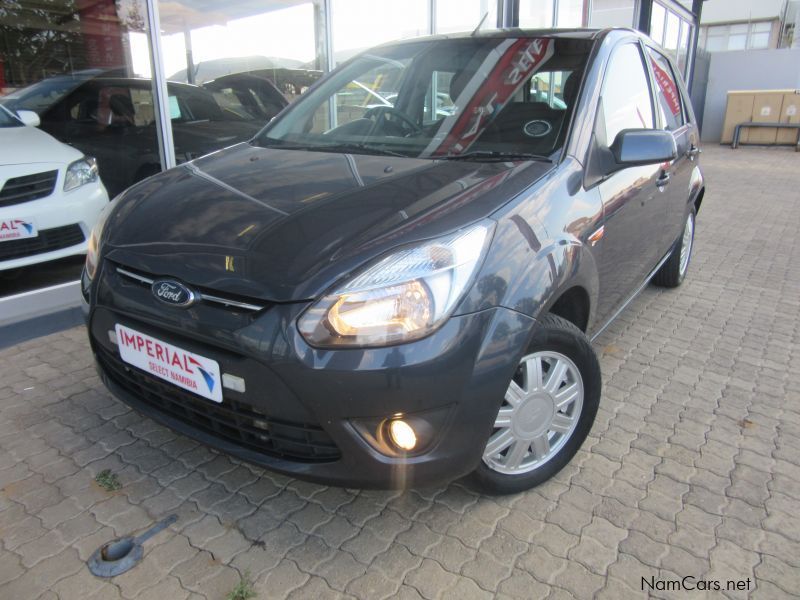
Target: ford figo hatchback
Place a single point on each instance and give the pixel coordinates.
(396, 281)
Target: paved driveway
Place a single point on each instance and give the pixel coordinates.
(692, 469)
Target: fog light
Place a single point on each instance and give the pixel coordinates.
(402, 435)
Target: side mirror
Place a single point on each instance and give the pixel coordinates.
(29, 118)
(636, 147)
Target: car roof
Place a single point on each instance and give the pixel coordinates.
(516, 32)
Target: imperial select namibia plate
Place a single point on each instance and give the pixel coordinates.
(182, 368)
(17, 229)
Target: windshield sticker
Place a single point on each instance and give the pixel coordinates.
(492, 86)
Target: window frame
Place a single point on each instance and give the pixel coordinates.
(591, 150)
(648, 77)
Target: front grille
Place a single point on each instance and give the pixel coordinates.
(231, 420)
(147, 279)
(48, 240)
(28, 187)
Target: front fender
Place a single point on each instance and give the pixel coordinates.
(539, 249)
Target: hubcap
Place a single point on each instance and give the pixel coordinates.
(539, 414)
(686, 244)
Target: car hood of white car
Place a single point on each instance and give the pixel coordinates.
(27, 145)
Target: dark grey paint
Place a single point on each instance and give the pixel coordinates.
(296, 223)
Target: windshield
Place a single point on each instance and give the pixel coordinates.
(7, 120)
(479, 98)
(40, 96)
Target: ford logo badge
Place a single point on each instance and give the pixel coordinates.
(173, 293)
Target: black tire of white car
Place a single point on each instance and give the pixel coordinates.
(671, 274)
(554, 336)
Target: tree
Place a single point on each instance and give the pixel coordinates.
(39, 40)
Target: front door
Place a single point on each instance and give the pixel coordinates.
(633, 198)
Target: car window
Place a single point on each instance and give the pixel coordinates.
(81, 106)
(144, 113)
(474, 98)
(375, 87)
(444, 103)
(193, 104)
(174, 108)
(112, 106)
(243, 103)
(42, 95)
(550, 87)
(626, 94)
(7, 119)
(667, 93)
(115, 107)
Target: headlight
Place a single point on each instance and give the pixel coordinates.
(80, 173)
(401, 297)
(95, 240)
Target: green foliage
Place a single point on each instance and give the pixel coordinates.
(243, 590)
(108, 480)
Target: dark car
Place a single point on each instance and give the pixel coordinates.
(390, 300)
(291, 82)
(113, 119)
(248, 97)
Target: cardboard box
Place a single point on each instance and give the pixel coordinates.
(790, 113)
(766, 109)
(740, 110)
(762, 106)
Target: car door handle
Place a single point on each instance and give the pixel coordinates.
(663, 179)
(693, 151)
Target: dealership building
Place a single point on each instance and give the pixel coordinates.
(399, 299)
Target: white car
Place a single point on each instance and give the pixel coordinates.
(50, 194)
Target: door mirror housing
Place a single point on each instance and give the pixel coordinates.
(637, 147)
(29, 118)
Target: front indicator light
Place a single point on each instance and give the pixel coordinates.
(402, 435)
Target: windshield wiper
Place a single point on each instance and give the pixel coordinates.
(489, 155)
(358, 149)
(354, 148)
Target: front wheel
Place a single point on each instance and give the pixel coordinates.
(673, 272)
(548, 409)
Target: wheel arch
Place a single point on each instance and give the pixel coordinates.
(573, 305)
(699, 199)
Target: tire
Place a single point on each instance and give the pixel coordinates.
(673, 272)
(557, 344)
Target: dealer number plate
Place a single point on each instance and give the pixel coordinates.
(180, 367)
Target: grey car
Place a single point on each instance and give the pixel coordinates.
(385, 295)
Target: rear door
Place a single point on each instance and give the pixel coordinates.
(673, 116)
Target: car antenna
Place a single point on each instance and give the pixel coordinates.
(474, 31)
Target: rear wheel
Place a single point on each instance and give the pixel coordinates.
(673, 272)
(548, 409)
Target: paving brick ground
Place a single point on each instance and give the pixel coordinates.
(693, 466)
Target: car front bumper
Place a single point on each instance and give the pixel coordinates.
(78, 208)
(454, 379)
